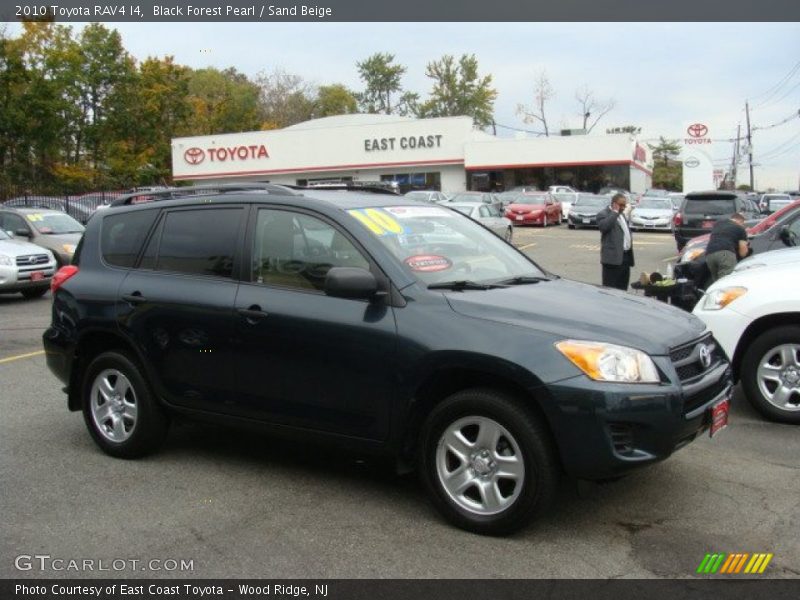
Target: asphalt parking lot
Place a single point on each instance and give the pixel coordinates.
(239, 505)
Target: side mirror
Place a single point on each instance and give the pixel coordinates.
(353, 283)
(22, 233)
(787, 236)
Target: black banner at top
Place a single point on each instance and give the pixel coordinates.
(401, 11)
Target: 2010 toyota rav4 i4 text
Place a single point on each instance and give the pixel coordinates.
(403, 328)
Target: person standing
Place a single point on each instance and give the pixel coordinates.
(727, 244)
(616, 244)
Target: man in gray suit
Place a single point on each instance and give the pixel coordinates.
(616, 244)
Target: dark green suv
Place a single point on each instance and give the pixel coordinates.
(379, 323)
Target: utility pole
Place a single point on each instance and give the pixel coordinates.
(749, 145)
(735, 165)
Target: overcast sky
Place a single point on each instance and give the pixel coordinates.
(662, 76)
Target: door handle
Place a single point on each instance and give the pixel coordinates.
(253, 314)
(134, 298)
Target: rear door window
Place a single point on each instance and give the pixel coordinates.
(122, 236)
(200, 242)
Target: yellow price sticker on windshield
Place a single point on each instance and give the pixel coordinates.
(378, 222)
(33, 217)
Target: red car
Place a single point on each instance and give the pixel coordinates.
(534, 209)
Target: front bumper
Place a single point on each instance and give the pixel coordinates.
(16, 278)
(604, 430)
(525, 219)
(582, 221)
(663, 225)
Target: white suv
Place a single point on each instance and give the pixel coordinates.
(24, 267)
(754, 314)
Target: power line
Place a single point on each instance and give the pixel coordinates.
(780, 147)
(779, 100)
(774, 89)
(779, 123)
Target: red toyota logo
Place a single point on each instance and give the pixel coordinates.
(697, 130)
(194, 156)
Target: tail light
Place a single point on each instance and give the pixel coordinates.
(61, 276)
(678, 220)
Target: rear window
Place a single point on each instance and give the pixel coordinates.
(122, 236)
(200, 242)
(711, 206)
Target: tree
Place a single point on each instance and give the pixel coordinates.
(382, 80)
(459, 90)
(333, 100)
(542, 93)
(223, 102)
(286, 99)
(592, 109)
(665, 151)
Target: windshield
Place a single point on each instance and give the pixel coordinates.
(656, 193)
(591, 201)
(467, 198)
(438, 245)
(423, 196)
(54, 223)
(655, 203)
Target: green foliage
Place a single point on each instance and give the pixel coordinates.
(334, 100)
(744, 187)
(669, 176)
(222, 102)
(458, 90)
(382, 80)
(665, 151)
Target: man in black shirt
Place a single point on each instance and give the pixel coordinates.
(727, 245)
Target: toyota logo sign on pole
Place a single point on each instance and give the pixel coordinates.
(698, 168)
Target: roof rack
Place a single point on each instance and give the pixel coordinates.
(377, 187)
(200, 190)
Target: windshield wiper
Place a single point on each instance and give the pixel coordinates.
(463, 284)
(523, 280)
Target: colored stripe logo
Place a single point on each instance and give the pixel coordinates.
(735, 563)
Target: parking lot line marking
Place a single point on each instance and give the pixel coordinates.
(20, 356)
(531, 245)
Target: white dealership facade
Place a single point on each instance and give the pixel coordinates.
(446, 154)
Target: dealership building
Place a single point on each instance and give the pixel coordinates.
(446, 154)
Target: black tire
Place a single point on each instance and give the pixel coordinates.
(570, 225)
(34, 293)
(149, 428)
(760, 350)
(528, 434)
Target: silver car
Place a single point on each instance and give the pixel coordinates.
(431, 196)
(487, 215)
(652, 213)
(567, 199)
(51, 229)
(24, 267)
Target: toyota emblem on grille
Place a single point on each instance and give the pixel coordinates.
(705, 356)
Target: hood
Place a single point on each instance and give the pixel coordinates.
(781, 256)
(586, 210)
(663, 213)
(56, 240)
(527, 206)
(572, 310)
(15, 247)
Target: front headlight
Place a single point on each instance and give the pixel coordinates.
(718, 299)
(6, 260)
(690, 255)
(68, 248)
(609, 362)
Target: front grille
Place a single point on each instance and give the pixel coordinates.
(687, 358)
(621, 437)
(31, 259)
(707, 394)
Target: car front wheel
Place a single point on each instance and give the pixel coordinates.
(771, 374)
(120, 412)
(487, 462)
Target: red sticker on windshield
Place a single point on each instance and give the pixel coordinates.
(428, 263)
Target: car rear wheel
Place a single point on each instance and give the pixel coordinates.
(487, 462)
(119, 410)
(771, 374)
